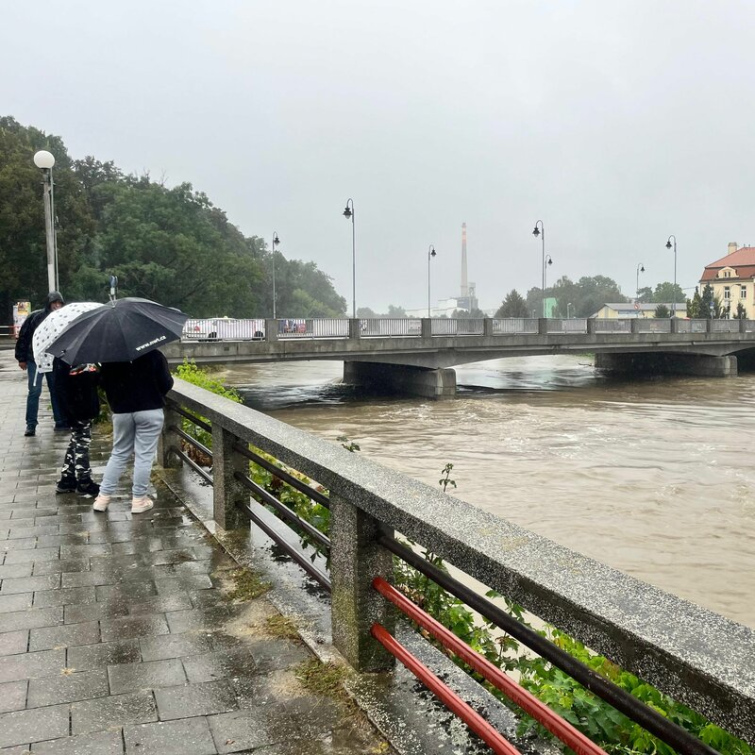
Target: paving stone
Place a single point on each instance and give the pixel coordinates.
(175, 645)
(31, 665)
(13, 695)
(130, 677)
(134, 592)
(22, 544)
(67, 688)
(39, 554)
(103, 655)
(162, 604)
(42, 617)
(96, 715)
(99, 743)
(64, 596)
(12, 643)
(244, 729)
(273, 655)
(84, 551)
(30, 584)
(187, 737)
(198, 618)
(11, 571)
(173, 585)
(40, 530)
(62, 565)
(75, 614)
(67, 635)
(220, 664)
(87, 579)
(195, 700)
(134, 626)
(12, 603)
(25, 726)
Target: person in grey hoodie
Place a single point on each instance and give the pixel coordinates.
(25, 359)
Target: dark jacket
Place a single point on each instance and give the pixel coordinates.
(24, 351)
(76, 391)
(137, 386)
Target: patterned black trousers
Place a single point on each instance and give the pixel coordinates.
(76, 464)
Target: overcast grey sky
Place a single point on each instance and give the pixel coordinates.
(617, 123)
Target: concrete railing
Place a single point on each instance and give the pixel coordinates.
(692, 654)
(222, 329)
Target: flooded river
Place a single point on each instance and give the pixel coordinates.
(652, 477)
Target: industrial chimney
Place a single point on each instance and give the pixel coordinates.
(464, 284)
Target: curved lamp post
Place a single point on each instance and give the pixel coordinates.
(668, 246)
(541, 232)
(348, 213)
(45, 161)
(568, 310)
(430, 255)
(273, 244)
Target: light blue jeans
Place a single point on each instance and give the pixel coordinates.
(136, 434)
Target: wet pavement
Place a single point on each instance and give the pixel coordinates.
(119, 634)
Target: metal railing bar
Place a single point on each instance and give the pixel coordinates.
(667, 731)
(194, 420)
(490, 735)
(287, 477)
(188, 438)
(199, 470)
(295, 554)
(283, 510)
(558, 726)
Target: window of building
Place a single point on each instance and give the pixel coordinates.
(742, 292)
(727, 292)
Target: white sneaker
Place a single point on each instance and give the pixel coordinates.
(101, 502)
(140, 505)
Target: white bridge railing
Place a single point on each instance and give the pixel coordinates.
(225, 329)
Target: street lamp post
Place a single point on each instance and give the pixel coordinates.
(568, 310)
(45, 161)
(640, 269)
(348, 213)
(541, 232)
(273, 244)
(668, 246)
(430, 255)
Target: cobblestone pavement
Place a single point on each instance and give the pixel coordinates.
(117, 633)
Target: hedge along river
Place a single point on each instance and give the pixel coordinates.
(653, 477)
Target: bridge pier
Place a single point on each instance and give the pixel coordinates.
(416, 381)
(700, 365)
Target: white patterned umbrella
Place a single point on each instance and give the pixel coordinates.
(52, 326)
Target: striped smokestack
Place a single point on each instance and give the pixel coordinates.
(464, 283)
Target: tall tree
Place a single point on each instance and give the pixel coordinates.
(666, 293)
(513, 306)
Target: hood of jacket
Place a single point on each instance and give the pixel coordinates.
(52, 297)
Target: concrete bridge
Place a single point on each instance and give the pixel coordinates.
(414, 355)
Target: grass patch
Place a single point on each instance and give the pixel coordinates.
(323, 678)
(246, 586)
(281, 627)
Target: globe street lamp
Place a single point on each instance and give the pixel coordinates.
(348, 213)
(430, 255)
(640, 269)
(668, 246)
(274, 243)
(541, 232)
(45, 161)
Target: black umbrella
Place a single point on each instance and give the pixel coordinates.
(119, 331)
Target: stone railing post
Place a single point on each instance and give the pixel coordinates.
(167, 459)
(271, 330)
(674, 324)
(354, 331)
(355, 560)
(542, 326)
(708, 324)
(226, 490)
(487, 326)
(590, 326)
(427, 327)
(743, 326)
(634, 326)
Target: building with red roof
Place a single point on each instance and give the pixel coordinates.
(732, 279)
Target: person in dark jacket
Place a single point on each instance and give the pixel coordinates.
(136, 393)
(25, 359)
(79, 404)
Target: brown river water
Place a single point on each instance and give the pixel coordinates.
(654, 477)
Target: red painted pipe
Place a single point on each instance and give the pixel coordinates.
(491, 736)
(524, 699)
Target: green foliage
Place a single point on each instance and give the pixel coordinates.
(163, 243)
(587, 295)
(667, 293)
(513, 306)
(662, 311)
(446, 480)
(645, 295)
